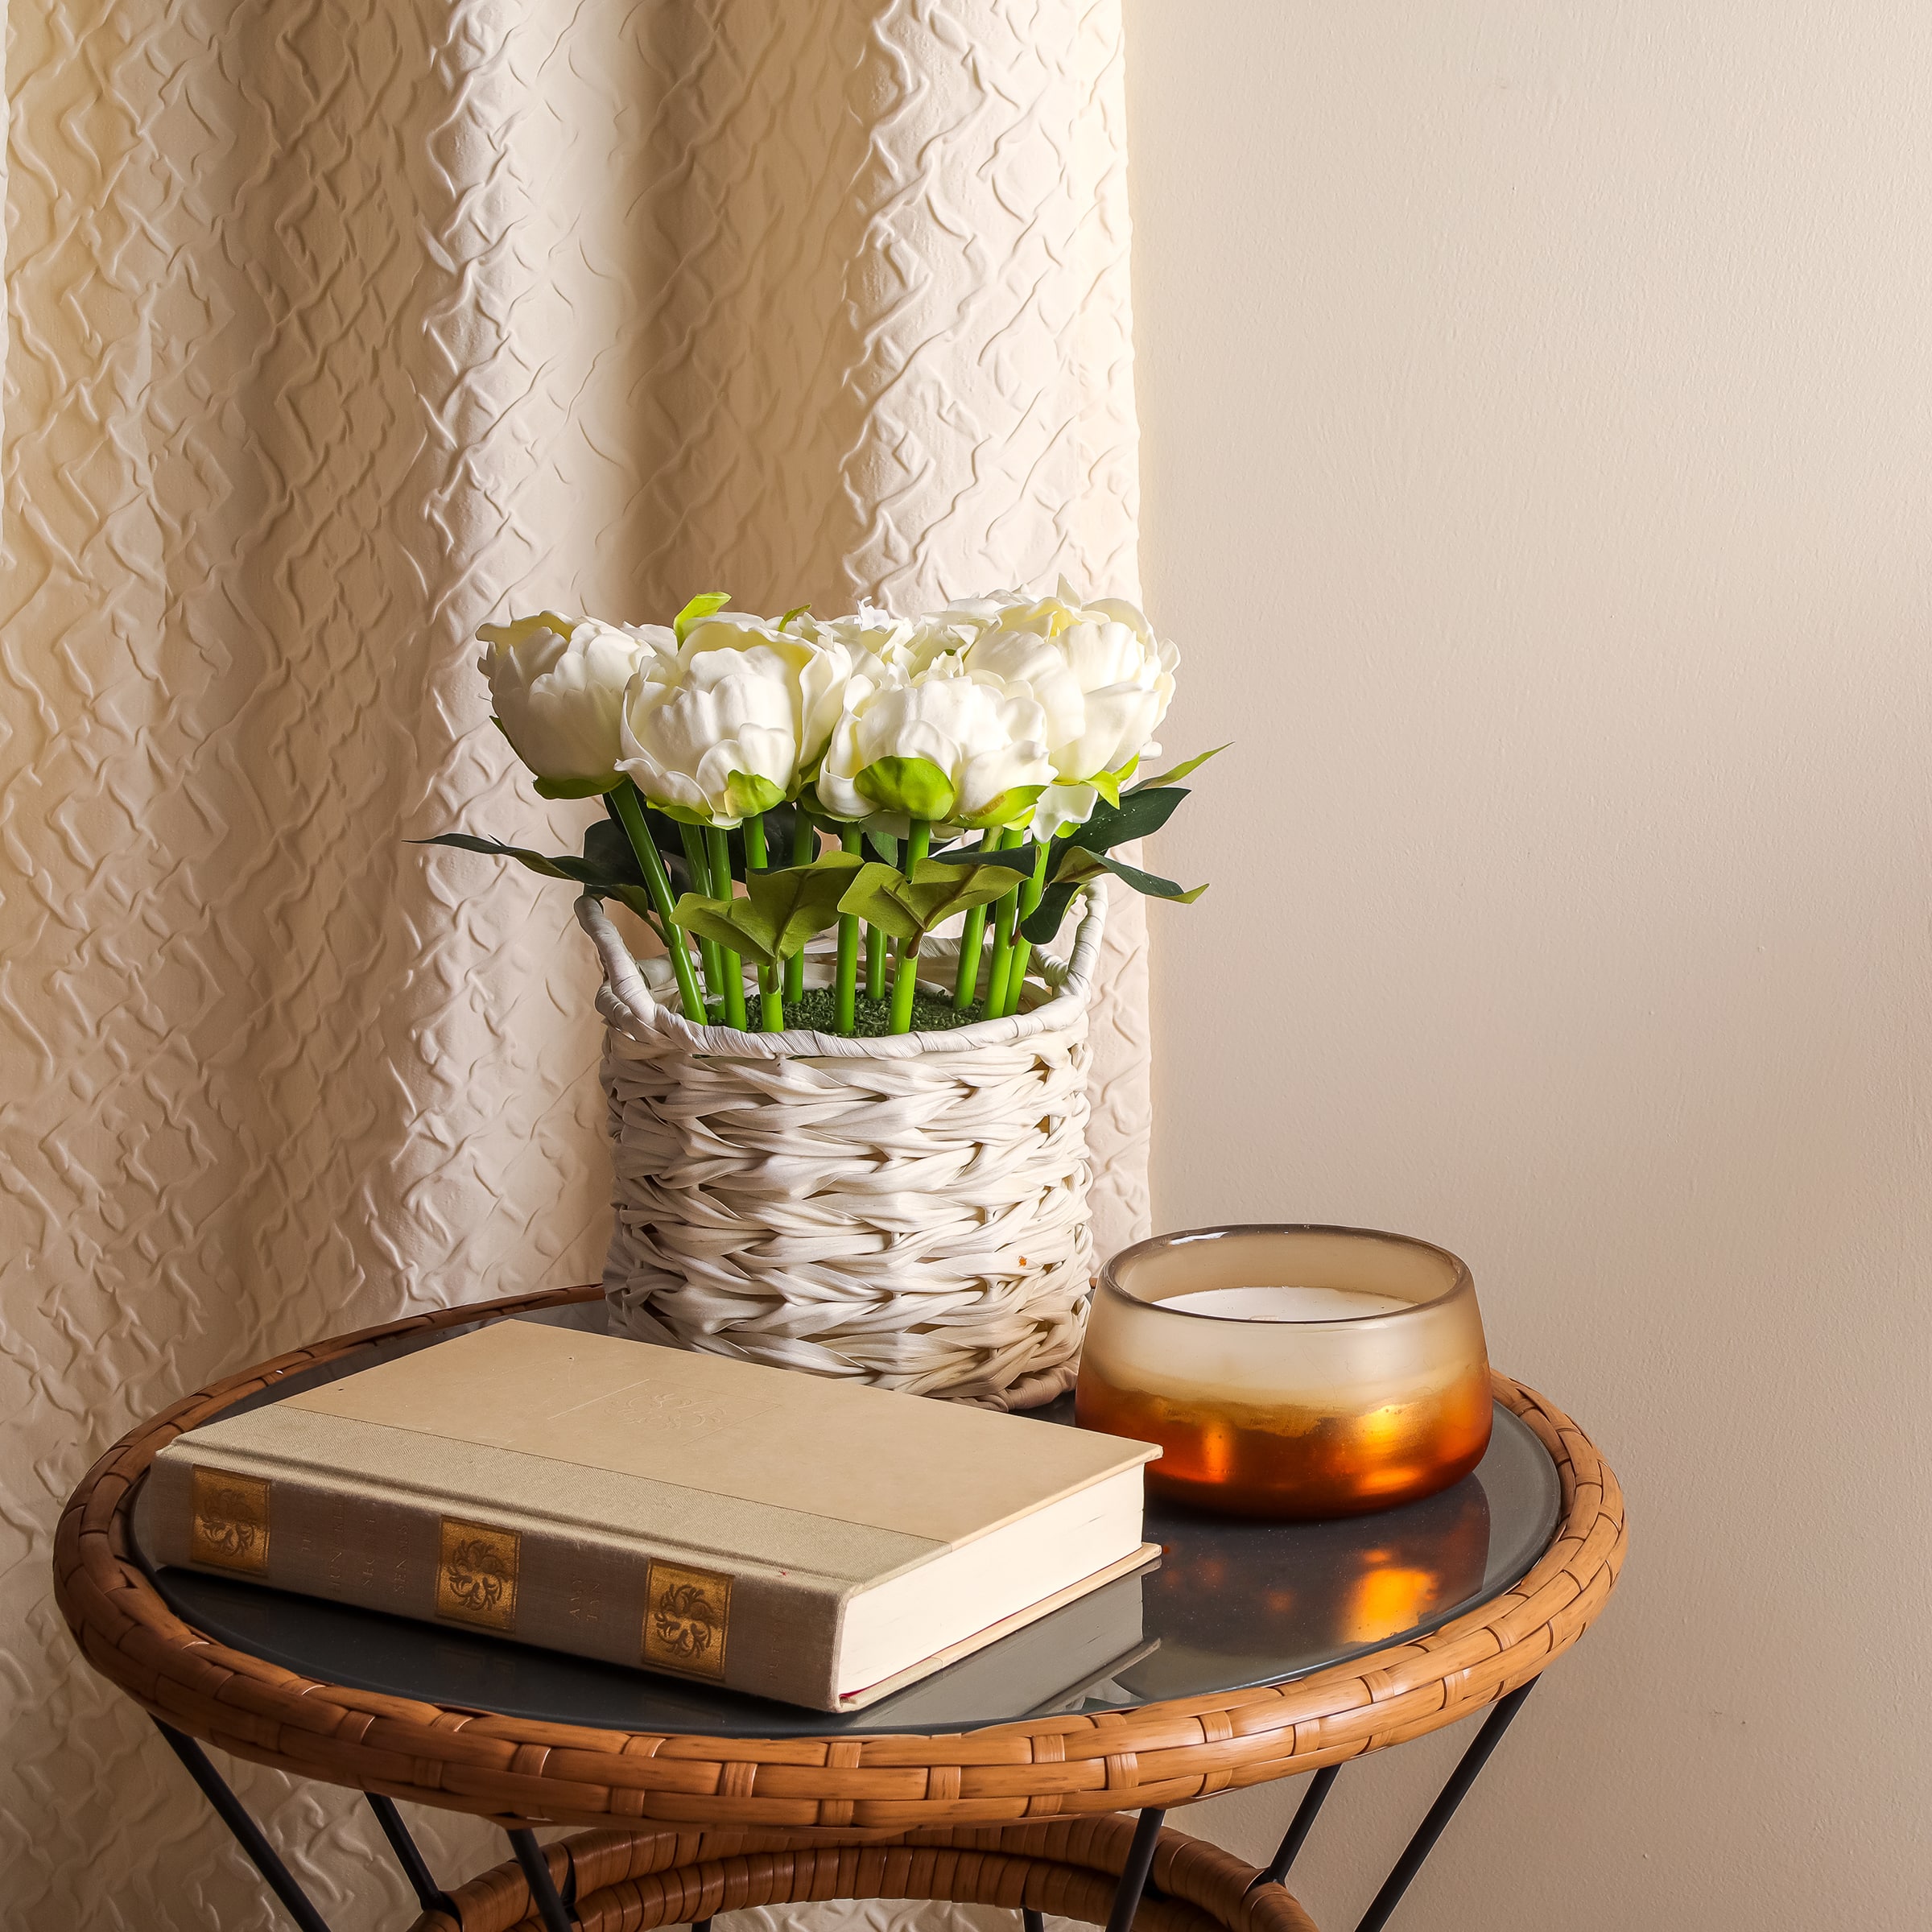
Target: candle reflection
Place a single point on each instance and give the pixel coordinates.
(1346, 1590)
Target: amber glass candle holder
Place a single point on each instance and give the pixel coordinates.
(1289, 1372)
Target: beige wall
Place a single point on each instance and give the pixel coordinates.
(1538, 419)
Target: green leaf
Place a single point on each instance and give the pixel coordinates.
(1071, 863)
(575, 788)
(579, 871)
(1014, 803)
(796, 610)
(793, 903)
(1150, 883)
(1072, 870)
(1137, 816)
(779, 912)
(1107, 786)
(1042, 926)
(915, 786)
(1180, 771)
(607, 846)
(704, 605)
(1015, 858)
(603, 870)
(749, 795)
(718, 919)
(873, 894)
(909, 908)
(681, 814)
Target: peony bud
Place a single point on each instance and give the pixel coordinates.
(557, 686)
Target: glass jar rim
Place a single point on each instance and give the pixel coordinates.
(1461, 1278)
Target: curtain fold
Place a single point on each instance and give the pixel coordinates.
(332, 331)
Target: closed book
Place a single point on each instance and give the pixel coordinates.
(817, 1541)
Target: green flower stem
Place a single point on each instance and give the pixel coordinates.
(631, 815)
(771, 1002)
(846, 985)
(917, 846)
(904, 986)
(877, 939)
(729, 964)
(906, 981)
(1030, 894)
(972, 934)
(700, 866)
(804, 850)
(1005, 915)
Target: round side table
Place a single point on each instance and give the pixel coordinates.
(1250, 1653)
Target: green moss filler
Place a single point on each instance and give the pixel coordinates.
(817, 1012)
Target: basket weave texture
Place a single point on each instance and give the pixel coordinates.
(519, 1770)
(636, 1880)
(909, 1211)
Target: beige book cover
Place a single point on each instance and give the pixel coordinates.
(818, 1542)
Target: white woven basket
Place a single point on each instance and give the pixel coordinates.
(909, 1211)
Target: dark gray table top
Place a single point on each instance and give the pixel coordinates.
(1229, 1604)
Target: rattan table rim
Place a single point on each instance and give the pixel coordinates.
(519, 1771)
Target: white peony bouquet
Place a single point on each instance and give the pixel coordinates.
(767, 780)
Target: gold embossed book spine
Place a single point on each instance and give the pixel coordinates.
(660, 1509)
(541, 1581)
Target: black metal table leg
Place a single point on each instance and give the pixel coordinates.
(1468, 1766)
(556, 1916)
(429, 1896)
(248, 1834)
(1134, 1874)
(1299, 1826)
(556, 1910)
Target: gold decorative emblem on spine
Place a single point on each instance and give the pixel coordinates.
(686, 1614)
(230, 1527)
(476, 1576)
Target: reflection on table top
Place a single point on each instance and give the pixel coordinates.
(1229, 1604)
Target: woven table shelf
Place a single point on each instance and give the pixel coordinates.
(636, 1880)
(520, 1771)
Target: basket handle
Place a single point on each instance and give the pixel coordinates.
(621, 973)
(1074, 975)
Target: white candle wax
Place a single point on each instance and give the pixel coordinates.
(1284, 1304)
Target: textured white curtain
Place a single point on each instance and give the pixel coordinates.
(334, 328)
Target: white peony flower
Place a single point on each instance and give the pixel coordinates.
(948, 744)
(970, 616)
(1101, 677)
(880, 643)
(557, 686)
(734, 722)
